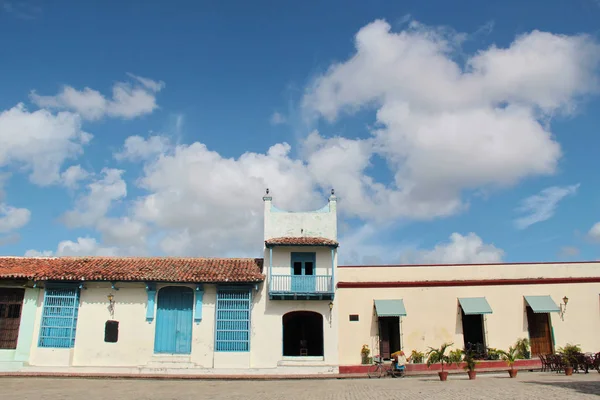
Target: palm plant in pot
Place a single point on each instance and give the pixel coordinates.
(435, 356)
(510, 357)
(569, 356)
(470, 364)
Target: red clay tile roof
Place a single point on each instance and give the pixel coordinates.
(158, 269)
(300, 241)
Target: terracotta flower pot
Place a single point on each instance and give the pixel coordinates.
(513, 373)
(472, 374)
(568, 371)
(443, 375)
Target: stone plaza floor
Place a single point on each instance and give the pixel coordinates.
(528, 385)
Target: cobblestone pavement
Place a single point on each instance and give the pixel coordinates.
(526, 386)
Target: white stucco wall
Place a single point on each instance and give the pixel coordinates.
(321, 223)
(433, 313)
(267, 329)
(135, 346)
(282, 259)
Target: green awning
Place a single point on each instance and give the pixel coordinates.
(542, 304)
(390, 308)
(475, 305)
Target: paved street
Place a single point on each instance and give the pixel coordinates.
(526, 386)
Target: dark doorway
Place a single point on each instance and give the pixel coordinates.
(11, 304)
(473, 333)
(540, 335)
(389, 336)
(303, 334)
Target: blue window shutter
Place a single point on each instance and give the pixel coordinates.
(59, 317)
(198, 306)
(151, 290)
(233, 319)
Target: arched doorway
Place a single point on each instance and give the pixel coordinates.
(302, 334)
(174, 320)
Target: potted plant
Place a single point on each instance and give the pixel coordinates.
(364, 354)
(435, 356)
(470, 364)
(493, 354)
(510, 357)
(522, 348)
(569, 356)
(416, 357)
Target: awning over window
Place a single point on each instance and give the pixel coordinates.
(542, 304)
(475, 305)
(390, 308)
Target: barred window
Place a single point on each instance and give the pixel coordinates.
(59, 317)
(233, 320)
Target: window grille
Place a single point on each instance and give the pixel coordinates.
(59, 317)
(233, 320)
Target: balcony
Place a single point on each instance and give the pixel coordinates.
(301, 287)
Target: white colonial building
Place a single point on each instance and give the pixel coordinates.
(292, 311)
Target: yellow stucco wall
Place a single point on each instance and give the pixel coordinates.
(433, 313)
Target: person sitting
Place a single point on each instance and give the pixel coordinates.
(399, 360)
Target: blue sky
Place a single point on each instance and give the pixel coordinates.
(436, 124)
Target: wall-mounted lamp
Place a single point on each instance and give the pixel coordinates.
(110, 297)
(330, 305)
(563, 307)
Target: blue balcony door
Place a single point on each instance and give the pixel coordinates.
(303, 272)
(174, 320)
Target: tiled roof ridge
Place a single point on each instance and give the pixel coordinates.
(175, 269)
(314, 239)
(128, 258)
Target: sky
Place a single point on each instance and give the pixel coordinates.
(452, 132)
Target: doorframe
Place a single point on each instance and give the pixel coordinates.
(483, 328)
(379, 324)
(158, 290)
(304, 358)
(20, 318)
(550, 328)
(303, 257)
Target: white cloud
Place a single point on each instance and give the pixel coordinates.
(94, 205)
(277, 119)
(367, 245)
(203, 203)
(12, 218)
(468, 249)
(148, 83)
(594, 232)
(123, 232)
(137, 148)
(40, 141)
(84, 246)
(542, 206)
(128, 100)
(72, 175)
(569, 251)
(444, 128)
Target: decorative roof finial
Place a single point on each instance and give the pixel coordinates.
(267, 190)
(332, 192)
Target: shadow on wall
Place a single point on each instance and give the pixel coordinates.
(578, 387)
(375, 348)
(459, 325)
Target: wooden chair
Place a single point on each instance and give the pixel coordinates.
(303, 348)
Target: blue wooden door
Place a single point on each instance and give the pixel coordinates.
(174, 320)
(303, 272)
